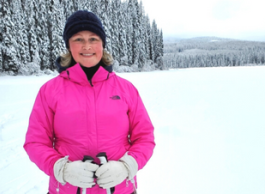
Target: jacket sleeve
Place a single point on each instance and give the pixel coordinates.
(39, 137)
(141, 130)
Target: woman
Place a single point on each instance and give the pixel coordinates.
(87, 110)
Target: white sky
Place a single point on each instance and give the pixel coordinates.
(240, 19)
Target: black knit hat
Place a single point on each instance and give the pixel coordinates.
(83, 20)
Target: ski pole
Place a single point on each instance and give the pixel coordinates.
(102, 156)
(85, 159)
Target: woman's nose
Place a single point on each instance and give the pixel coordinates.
(86, 45)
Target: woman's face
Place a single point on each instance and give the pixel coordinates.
(86, 48)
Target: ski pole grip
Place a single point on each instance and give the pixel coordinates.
(85, 159)
(88, 159)
(102, 156)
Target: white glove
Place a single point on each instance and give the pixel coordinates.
(113, 173)
(77, 173)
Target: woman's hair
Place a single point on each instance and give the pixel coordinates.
(66, 58)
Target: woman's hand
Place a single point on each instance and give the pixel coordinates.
(77, 173)
(80, 174)
(111, 174)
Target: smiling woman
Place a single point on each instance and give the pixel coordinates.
(88, 112)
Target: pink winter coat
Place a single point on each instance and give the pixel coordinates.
(73, 118)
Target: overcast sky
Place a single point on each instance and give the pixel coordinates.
(240, 19)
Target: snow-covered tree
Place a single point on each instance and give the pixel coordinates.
(129, 32)
(148, 42)
(159, 49)
(102, 14)
(56, 21)
(22, 33)
(43, 35)
(115, 14)
(122, 16)
(1, 36)
(30, 11)
(9, 44)
(155, 39)
(134, 17)
(142, 36)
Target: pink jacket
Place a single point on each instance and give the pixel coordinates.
(72, 118)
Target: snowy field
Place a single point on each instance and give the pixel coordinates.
(209, 127)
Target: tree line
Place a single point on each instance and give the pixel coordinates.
(31, 34)
(213, 52)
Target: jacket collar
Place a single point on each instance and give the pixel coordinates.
(60, 69)
(77, 75)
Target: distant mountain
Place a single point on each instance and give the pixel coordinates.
(212, 52)
(203, 39)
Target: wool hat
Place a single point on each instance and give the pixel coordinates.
(83, 20)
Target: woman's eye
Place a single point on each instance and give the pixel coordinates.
(78, 39)
(93, 39)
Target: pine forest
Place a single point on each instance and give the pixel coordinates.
(31, 34)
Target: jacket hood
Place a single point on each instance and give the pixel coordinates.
(60, 68)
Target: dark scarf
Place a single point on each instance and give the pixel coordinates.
(90, 71)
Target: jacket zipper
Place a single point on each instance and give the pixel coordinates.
(90, 83)
(68, 74)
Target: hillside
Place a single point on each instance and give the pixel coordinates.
(213, 52)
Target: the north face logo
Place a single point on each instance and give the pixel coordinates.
(115, 97)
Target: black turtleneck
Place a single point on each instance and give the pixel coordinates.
(90, 71)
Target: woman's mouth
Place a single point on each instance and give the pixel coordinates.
(87, 55)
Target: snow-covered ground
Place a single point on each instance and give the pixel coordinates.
(209, 127)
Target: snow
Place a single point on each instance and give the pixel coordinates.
(209, 130)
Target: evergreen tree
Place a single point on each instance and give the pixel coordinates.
(160, 47)
(9, 46)
(123, 51)
(55, 30)
(161, 43)
(152, 41)
(115, 31)
(102, 13)
(22, 53)
(148, 42)
(43, 36)
(129, 32)
(133, 11)
(1, 35)
(155, 39)
(143, 36)
(1, 59)
(30, 11)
